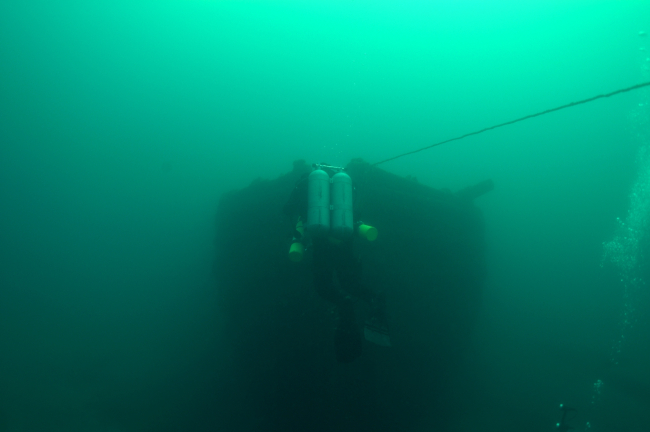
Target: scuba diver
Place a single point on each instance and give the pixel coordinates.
(322, 204)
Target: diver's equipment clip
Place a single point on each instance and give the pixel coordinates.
(297, 249)
(366, 231)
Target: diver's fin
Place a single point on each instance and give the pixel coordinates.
(377, 332)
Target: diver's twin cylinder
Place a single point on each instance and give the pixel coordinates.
(329, 205)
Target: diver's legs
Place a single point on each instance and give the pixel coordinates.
(349, 272)
(348, 338)
(323, 268)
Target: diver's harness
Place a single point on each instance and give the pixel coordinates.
(329, 211)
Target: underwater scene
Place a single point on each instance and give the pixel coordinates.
(281, 215)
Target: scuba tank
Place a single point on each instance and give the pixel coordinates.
(342, 222)
(318, 203)
(329, 211)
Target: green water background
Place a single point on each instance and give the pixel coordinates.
(121, 124)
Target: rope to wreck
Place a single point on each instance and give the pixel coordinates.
(591, 99)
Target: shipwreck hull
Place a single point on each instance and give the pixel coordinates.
(278, 370)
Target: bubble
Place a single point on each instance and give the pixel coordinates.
(624, 250)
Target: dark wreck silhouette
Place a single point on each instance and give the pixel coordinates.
(277, 369)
